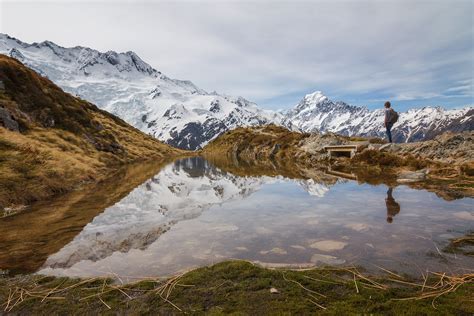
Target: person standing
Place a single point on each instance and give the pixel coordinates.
(391, 117)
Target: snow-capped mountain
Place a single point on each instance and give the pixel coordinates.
(185, 116)
(174, 111)
(181, 191)
(316, 112)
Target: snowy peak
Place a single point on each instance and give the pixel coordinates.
(314, 98)
(78, 59)
(318, 102)
(316, 113)
(174, 111)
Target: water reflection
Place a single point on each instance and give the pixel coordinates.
(180, 191)
(28, 238)
(393, 208)
(193, 212)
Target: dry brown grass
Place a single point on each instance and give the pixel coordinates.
(47, 162)
(267, 142)
(63, 141)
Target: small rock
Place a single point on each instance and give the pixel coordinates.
(274, 291)
(385, 147)
(374, 146)
(390, 147)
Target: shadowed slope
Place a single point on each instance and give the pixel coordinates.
(50, 141)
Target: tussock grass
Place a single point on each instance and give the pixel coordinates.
(63, 141)
(244, 288)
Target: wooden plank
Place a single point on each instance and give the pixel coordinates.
(336, 147)
(340, 149)
(349, 176)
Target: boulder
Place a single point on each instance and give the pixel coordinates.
(8, 121)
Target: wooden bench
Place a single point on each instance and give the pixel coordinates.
(337, 150)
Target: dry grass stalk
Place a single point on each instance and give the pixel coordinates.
(302, 286)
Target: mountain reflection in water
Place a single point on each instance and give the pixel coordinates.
(193, 213)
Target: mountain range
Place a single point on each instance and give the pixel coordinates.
(185, 116)
(174, 111)
(316, 113)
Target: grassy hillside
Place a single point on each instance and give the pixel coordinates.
(51, 142)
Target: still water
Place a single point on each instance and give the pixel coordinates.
(192, 213)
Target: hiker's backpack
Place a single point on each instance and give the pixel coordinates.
(394, 118)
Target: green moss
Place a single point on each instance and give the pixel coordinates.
(241, 288)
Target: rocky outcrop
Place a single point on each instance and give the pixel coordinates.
(8, 121)
(449, 148)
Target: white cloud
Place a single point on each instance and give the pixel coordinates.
(263, 50)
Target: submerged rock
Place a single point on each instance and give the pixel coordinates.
(357, 226)
(329, 245)
(276, 250)
(298, 247)
(330, 260)
(465, 215)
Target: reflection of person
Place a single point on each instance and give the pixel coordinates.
(393, 208)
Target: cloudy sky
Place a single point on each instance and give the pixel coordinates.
(414, 53)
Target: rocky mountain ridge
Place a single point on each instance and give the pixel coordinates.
(174, 111)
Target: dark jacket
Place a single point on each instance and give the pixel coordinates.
(389, 115)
